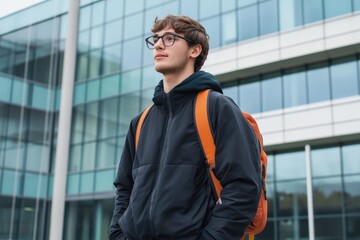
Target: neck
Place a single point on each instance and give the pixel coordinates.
(171, 80)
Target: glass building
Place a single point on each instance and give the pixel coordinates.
(293, 64)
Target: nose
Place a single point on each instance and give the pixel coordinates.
(159, 44)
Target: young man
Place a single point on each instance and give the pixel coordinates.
(163, 188)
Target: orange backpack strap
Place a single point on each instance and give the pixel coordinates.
(140, 123)
(206, 137)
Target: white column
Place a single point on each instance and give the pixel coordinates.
(309, 190)
(63, 139)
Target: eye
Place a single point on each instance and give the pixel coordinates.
(155, 39)
(169, 38)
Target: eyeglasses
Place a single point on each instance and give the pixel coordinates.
(168, 39)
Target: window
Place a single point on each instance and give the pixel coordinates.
(294, 88)
(248, 22)
(189, 8)
(313, 11)
(102, 180)
(111, 59)
(271, 92)
(129, 107)
(106, 153)
(352, 193)
(291, 198)
(129, 30)
(5, 89)
(228, 28)
(114, 9)
(131, 57)
(335, 8)
(318, 83)
(87, 182)
(97, 15)
(327, 195)
(209, 8)
(328, 228)
(91, 121)
(356, 5)
(110, 86)
(286, 161)
(108, 118)
(212, 27)
(113, 32)
(250, 97)
(268, 14)
(344, 80)
(325, 162)
(290, 14)
(351, 159)
(232, 92)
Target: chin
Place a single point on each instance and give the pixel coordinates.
(162, 69)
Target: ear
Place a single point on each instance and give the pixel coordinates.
(195, 50)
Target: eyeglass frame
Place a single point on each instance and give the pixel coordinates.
(162, 39)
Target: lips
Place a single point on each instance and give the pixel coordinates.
(159, 55)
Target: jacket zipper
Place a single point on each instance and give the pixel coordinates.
(161, 160)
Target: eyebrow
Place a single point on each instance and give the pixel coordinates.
(157, 35)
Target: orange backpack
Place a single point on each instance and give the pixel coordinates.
(258, 223)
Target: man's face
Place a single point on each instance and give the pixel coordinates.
(171, 59)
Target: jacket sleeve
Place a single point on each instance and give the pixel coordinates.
(237, 167)
(123, 183)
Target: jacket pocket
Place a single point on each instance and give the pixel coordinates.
(127, 225)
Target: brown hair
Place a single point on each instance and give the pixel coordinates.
(191, 30)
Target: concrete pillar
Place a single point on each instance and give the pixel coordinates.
(64, 129)
(309, 193)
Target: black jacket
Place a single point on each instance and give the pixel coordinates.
(163, 190)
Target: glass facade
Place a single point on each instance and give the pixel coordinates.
(323, 81)
(114, 81)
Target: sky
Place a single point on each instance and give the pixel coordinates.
(10, 6)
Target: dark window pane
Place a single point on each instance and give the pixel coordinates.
(328, 228)
(293, 229)
(291, 198)
(352, 228)
(270, 197)
(268, 232)
(352, 193)
(327, 195)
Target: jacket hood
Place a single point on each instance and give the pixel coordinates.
(196, 82)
